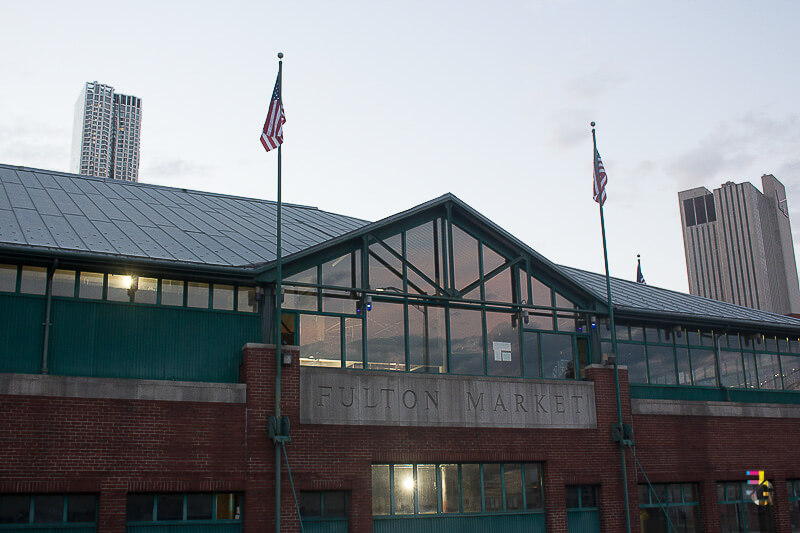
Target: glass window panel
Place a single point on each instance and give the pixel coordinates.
(661, 363)
(783, 344)
(310, 504)
(540, 320)
(542, 294)
(704, 371)
(644, 494)
(732, 340)
(567, 322)
(465, 258)
(466, 341)
(749, 359)
(81, 508)
(139, 508)
(8, 278)
(246, 300)
(758, 518)
(512, 478)
(288, 329)
(146, 290)
(451, 489)
(301, 298)
(707, 337)
(198, 506)
(223, 297)
(659, 493)
(794, 515)
(790, 364)
(48, 509)
(64, 283)
(604, 329)
(637, 333)
(170, 507)
(320, 341)
(533, 486)
(690, 492)
(91, 286)
(427, 337)
(119, 287)
(171, 292)
(386, 340)
(229, 506)
(582, 344)
(558, 360)
(531, 354)
(588, 496)
(424, 250)
(385, 269)
(794, 346)
(335, 503)
(622, 333)
(770, 343)
(632, 356)
(34, 280)
(339, 272)
(731, 371)
(503, 341)
(14, 509)
(562, 302)
(692, 337)
(492, 487)
(769, 374)
(498, 287)
(471, 487)
(197, 295)
(427, 499)
(491, 259)
(381, 491)
(353, 343)
(651, 334)
(731, 518)
(674, 493)
(403, 489)
(339, 302)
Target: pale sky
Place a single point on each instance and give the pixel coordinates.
(391, 104)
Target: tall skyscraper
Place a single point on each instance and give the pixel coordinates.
(738, 244)
(105, 138)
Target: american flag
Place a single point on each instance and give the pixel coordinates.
(272, 135)
(600, 179)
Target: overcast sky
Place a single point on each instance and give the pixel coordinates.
(390, 104)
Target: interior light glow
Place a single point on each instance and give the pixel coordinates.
(408, 483)
(127, 282)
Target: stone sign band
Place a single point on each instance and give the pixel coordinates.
(336, 396)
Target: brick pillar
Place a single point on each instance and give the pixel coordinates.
(612, 503)
(112, 506)
(780, 512)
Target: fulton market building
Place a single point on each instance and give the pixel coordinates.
(436, 374)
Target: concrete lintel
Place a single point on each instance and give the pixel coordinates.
(121, 389)
(641, 406)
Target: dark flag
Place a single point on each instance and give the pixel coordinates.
(639, 276)
(600, 179)
(272, 134)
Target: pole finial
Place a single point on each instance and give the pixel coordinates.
(280, 55)
(592, 124)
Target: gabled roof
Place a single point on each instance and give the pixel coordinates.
(641, 300)
(49, 210)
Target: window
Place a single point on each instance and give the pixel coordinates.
(677, 501)
(246, 300)
(320, 341)
(223, 297)
(793, 490)
(145, 290)
(34, 280)
(91, 285)
(64, 283)
(583, 513)
(48, 509)
(737, 511)
(171, 292)
(441, 489)
(175, 507)
(323, 505)
(197, 295)
(119, 288)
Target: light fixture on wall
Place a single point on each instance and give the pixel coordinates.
(364, 304)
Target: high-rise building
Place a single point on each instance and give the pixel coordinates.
(105, 139)
(738, 244)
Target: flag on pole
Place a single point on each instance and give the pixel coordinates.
(600, 179)
(639, 275)
(272, 134)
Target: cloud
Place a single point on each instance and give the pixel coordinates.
(595, 84)
(31, 144)
(570, 128)
(169, 169)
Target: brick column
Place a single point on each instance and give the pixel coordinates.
(112, 506)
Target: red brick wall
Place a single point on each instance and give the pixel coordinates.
(113, 447)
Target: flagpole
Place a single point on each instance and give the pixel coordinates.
(613, 347)
(278, 302)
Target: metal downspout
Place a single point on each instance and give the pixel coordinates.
(48, 305)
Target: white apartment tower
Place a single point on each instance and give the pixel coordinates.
(738, 244)
(107, 129)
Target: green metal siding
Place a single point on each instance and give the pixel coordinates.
(707, 394)
(32, 528)
(583, 521)
(21, 333)
(187, 528)
(462, 524)
(106, 339)
(324, 526)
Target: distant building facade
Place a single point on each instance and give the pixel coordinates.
(106, 134)
(738, 244)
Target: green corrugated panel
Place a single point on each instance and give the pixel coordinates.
(102, 339)
(583, 521)
(529, 523)
(709, 394)
(187, 528)
(324, 526)
(21, 333)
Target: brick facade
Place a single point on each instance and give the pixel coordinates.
(113, 447)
